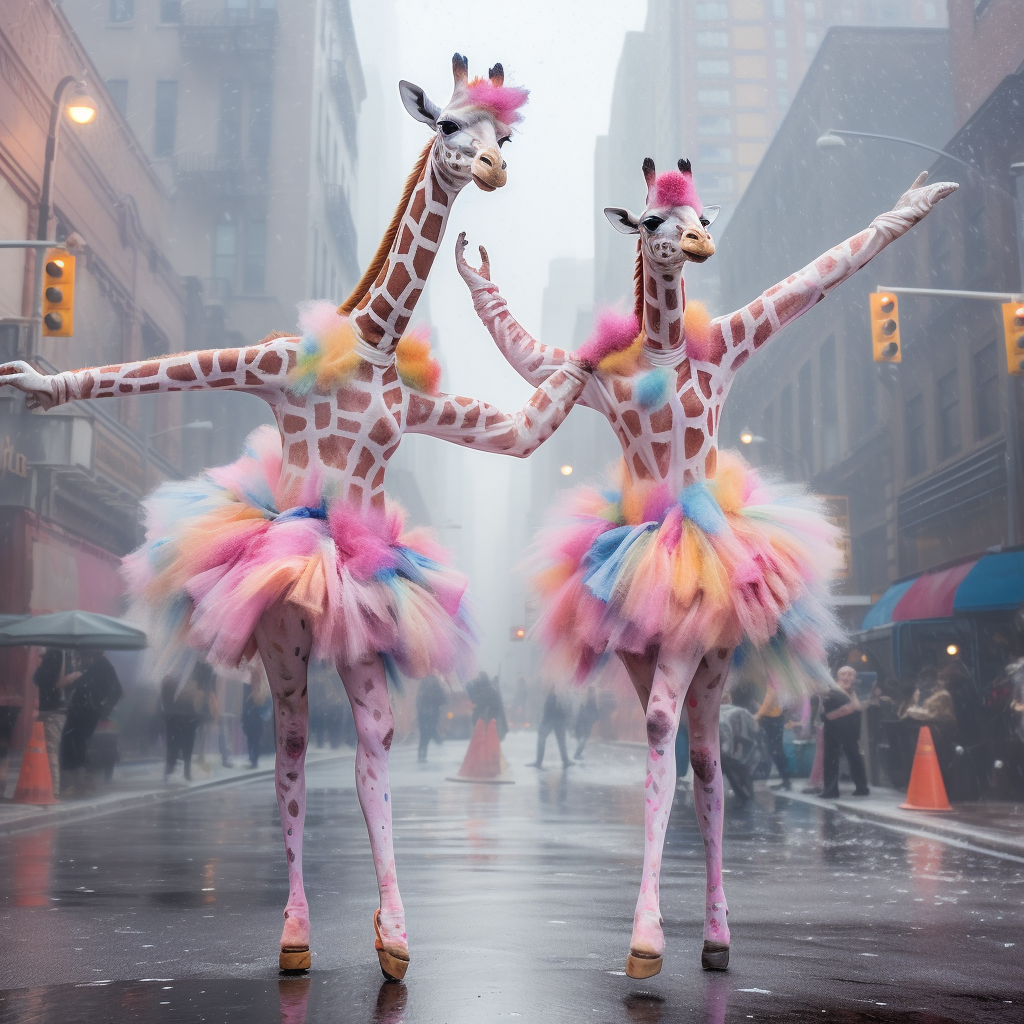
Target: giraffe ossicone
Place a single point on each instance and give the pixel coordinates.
(687, 553)
(292, 551)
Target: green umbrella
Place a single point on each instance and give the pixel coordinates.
(76, 630)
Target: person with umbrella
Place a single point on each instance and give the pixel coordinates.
(94, 695)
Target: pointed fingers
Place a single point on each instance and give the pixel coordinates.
(941, 189)
(919, 180)
(485, 263)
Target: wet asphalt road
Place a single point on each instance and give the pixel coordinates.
(519, 902)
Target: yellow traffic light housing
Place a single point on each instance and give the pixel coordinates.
(58, 294)
(1013, 334)
(885, 327)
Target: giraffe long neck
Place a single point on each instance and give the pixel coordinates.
(664, 302)
(383, 315)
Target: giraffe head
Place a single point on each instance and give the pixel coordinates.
(472, 128)
(674, 225)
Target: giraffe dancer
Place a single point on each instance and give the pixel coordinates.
(691, 555)
(292, 551)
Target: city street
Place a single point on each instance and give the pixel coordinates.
(519, 901)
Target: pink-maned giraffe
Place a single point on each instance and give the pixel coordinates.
(676, 441)
(345, 438)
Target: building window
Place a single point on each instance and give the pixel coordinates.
(811, 40)
(714, 154)
(117, 90)
(810, 9)
(714, 124)
(779, 8)
(712, 69)
(229, 126)
(949, 414)
(986, 391)
(827, 384)
(254, 268)
(930, 11)
(781, 68)
(170, 11)
(712, 12)
(224, 245)
(717, 183)
(122, 10)
(712, 40)
(917, 458)
(260, 98)
(780, 39)
(713, 97)
(166, 121)
(782, 96)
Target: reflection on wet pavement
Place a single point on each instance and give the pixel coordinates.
(519, 900)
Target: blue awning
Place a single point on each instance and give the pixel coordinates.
(880, 614)
(995, 583)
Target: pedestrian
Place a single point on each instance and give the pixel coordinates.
(841, 711)
(430, 699)
(586, 719)
(773, 723)
(181, 707)
(487, 703)
(52, 680)
(93, 696)
(740, 740)
(553, 718)
(254, 710)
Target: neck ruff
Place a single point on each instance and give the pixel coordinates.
(372, 354)
(661, 357)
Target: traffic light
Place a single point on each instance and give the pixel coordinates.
(58, 294)
(1013, 333)
(885, 327)
(517, 633)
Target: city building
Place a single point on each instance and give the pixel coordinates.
(712, 81)
(249, 114)
(71, 479)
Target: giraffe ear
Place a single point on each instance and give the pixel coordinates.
(418, 103)
(708, 215)
(622, 220)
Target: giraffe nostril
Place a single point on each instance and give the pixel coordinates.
(484, 159)
(503, 165)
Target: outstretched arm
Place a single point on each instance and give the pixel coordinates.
(264, 366)
(533, 361)
(743, 332)
(479, 425)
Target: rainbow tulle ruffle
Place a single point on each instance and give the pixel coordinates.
(730, 562)
(223, 547)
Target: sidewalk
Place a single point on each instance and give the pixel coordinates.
(142, 782)
(987, 825)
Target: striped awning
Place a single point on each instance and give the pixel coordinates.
(990, 583)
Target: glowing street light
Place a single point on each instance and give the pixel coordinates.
(952, 650)
(81, 108)
(747, 437)
(566, 470)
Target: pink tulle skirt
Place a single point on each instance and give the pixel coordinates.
(731, 562)
(222, 548)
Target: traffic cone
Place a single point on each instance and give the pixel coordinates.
(34, 783)
(483, 761)
(926, 791)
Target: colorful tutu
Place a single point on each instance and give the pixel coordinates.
(223, 547)
(731, 562)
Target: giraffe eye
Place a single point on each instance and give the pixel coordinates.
(448, 127)
(653, 223)
(501, 142)
(705, 222)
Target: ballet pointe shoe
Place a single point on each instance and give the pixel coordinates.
(392, 965)
(294, 958)
(642, 965)
(714, 956)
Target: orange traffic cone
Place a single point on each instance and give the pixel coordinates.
(34, 783)
(483, 761)
(926, 791)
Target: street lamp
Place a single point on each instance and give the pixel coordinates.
(81, 109)
(566, 470)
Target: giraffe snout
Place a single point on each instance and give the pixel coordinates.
(697, 244)
(489, 170)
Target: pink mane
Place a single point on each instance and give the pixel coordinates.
(613, 332)
(503, 101)
(676, 189)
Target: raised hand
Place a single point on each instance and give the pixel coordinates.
(922, 198)
(40, 389)
(474, 278)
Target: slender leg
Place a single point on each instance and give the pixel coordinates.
(367, 687)
(664, 707)
(640, 668)
(284, 642)
(702, 705)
